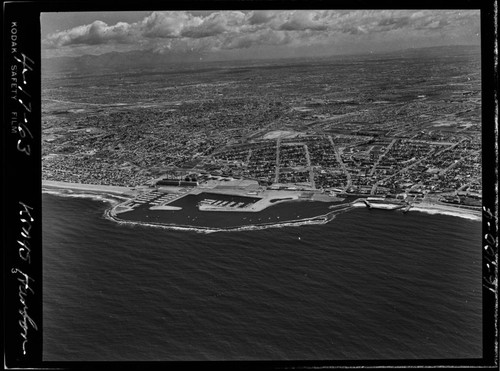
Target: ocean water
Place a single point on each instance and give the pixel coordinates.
(370, 284)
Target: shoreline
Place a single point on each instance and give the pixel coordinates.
(130, 193)
(101, 189)
(435, 208)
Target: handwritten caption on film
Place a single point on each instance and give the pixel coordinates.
(21, 73)
(24, 253)
(490, 252)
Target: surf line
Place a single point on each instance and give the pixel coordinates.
(315, 220)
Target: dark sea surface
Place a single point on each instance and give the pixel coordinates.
(370, 284)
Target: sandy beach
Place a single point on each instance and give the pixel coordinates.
(94, 188)
(435, 208)
(438, 208)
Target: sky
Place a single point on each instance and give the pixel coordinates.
(247, 34)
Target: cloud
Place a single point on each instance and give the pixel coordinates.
(409, 22)
(209, 31)
(304, 20)
(166, 24)
(359, 30)
(95, 33)
(394, 22)
(215, 24)
(158, 25)
(260, 17)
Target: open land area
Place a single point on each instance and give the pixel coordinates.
(398, 129)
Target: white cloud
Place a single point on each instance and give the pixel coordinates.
(95, 33)
(304, 20)
(243, 30)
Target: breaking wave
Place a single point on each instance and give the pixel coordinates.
(112, 199)
(459, 214)
(317, 220)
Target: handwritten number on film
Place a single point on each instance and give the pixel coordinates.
(21, 67)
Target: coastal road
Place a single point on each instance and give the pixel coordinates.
(277, 173)
(342, 165)
(311, 172)
(248, 158)
(382, 155)
(442, 172)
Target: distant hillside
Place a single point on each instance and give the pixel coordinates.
(118, 62)
(439, 51)
(148, 60)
